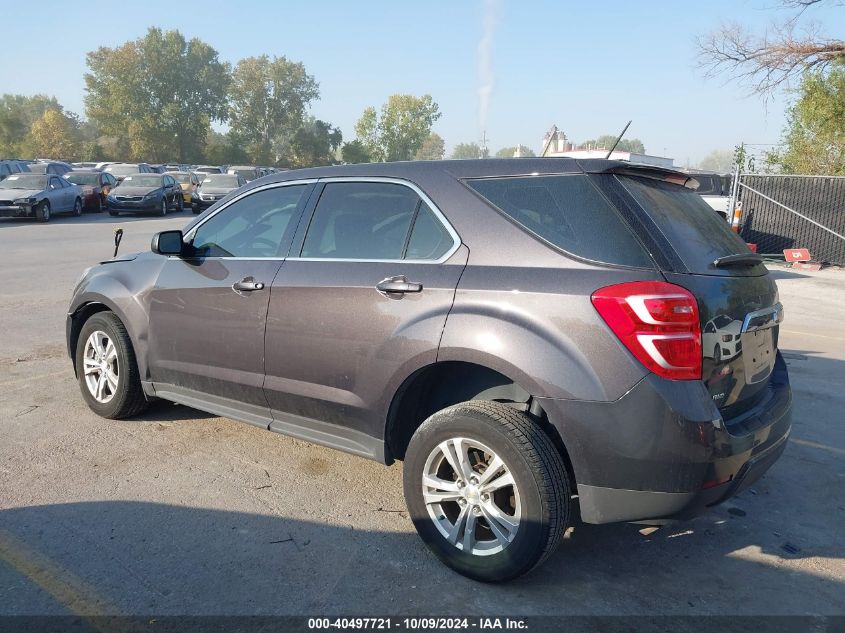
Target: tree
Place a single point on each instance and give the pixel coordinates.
(606, 141)
(432, 148)
(315, 143)
(268, 102)
(814, 137)
(224, 149)
(721, 160)
(510, 152)
(778, 56)
(160, 93)
(54, 135)
(467, 150)
(17, 114)
(354, 152)
(399, 130)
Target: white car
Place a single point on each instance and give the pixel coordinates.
(721, 338)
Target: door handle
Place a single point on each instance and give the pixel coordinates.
(398, 285)
(247, 284)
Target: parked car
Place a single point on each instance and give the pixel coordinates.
(50, 167)
(246, 172)
(158, 169)
(145, 193)
(190, 183)
(215, 187)
(12, 166)
(121, 170)
(517, 331)
(38, 196)
(207, 169)
(95, 186)
(85, 165)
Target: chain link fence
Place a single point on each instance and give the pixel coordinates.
(780, 212)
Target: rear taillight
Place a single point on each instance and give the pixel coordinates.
(658, 323)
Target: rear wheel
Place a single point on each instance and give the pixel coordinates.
(42, 211)
(487, 490)
(106, 368)
(180, 203)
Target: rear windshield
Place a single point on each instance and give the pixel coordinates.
(698, 234)
(567, 212)
(220, 180)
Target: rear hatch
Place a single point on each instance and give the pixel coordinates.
(737, 298)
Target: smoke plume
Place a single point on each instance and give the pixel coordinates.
(485, 60)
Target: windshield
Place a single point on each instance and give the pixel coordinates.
(245, 172)
(24, 181)
(83, 179)
(122, 169)
(181, 178)
(141, 180)
(222, 180)
(698, 234)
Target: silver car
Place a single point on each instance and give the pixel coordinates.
(38, 196)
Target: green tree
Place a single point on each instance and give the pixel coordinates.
(814, 137)
(399, 130)
(159, 92)
(268, 100)
(467, 150)
(224, 149)
(432, 148)
(721, 160)
(55, 135)
(17, 114)
(510, 152)
(315, 143)
(354, 152)
(606, 141)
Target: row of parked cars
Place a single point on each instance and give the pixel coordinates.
(41, 188)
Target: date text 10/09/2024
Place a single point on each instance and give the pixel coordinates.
(418, 624)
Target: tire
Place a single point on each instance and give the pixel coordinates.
(163, 210)
(196, 209)
(113, 213)
(717, 354)
(42, 211)
(123, 397)
(77, 208)
(539, 502)
(180, 204)
(100, 206)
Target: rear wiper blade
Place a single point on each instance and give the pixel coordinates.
(741, 259)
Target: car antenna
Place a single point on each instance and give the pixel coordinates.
(618, 138)
(118, 235)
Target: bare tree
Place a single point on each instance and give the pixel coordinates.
(774, 58)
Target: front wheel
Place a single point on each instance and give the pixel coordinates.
(163, 210)
(487, 490)
(77, 207)
(106, 368)
(42, 211)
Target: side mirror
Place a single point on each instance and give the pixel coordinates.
(167, 243)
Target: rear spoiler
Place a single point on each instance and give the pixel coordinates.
(656, 173)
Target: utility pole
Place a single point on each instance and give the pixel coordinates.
(484, 152)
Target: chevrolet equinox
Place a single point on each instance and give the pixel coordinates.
(527, 335)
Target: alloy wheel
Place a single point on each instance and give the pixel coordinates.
(102, 372)
(471, 496)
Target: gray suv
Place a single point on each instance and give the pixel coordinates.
(525, 334)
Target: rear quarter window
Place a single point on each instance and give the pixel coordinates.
(567, 212)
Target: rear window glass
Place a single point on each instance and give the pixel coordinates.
(698, 234)
(568, 212)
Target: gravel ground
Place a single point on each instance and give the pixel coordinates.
(181, 512)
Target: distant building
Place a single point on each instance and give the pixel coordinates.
(559, 146)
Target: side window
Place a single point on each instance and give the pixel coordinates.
(55, 184)
(429, 238)
(258, 225)
(361, 220)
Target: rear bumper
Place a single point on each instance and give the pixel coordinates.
(663, 451)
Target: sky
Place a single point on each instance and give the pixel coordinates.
(509, 68)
